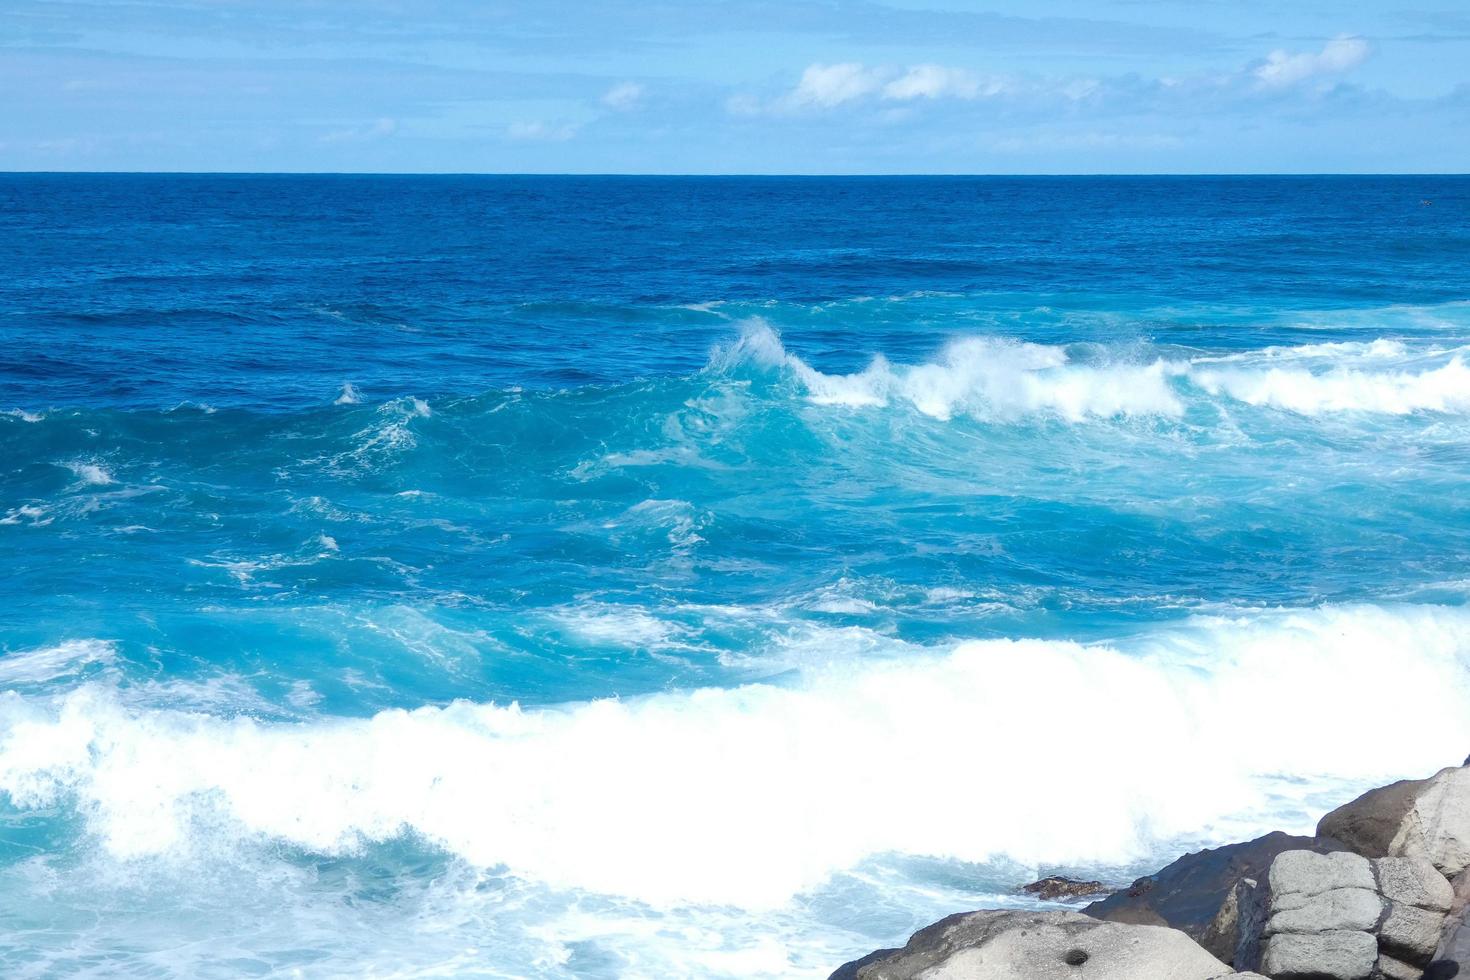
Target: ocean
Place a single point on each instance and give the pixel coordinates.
(700, 577)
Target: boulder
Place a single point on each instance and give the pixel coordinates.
(1012, 945)
(1392, 969)
(1190, 894)
(1369, 824)
(1313, 915)
(1410, 934)
(1452, 958)
(1320, 956)
(1343, 916)
(1056, 888)
(1428, 818)
(1354, 909)
(1413, 881)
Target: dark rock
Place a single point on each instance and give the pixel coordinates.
(1452, 958)
(1012, 945)
(1420, 818)
(1368, 825)
(1056, 887)
(1189, 894)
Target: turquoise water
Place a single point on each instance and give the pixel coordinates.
(638, 577)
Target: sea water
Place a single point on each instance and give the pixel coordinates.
(637, 577)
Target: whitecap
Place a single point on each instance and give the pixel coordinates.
(752, 795)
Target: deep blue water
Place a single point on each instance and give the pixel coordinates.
(526, 576)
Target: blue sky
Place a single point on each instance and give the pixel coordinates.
(735, 86)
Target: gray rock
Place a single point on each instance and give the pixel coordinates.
(1305, 873)
(1428, 818)
(1341, 908)
(1452, 958)
(1314, 916)
(1189, 893)
(1392, 969)
(1413, 881)
(1442, 812)
(1410, 934)
(1320, 956)
(1010, 945)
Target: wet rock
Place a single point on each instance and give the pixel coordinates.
(1011, 945)
(1189, 894)
(1056, 888)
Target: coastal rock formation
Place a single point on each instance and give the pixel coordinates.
(1452, 958)
(1428, 818)
(1343, 916)
(1382, 893)
(1057, 888)
(1008, 945)
(1192, 894)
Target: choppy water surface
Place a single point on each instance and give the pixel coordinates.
(636, 577)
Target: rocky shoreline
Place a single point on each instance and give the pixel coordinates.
(1380, 892)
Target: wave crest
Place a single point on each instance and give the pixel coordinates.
(986, 377)
(748, 796)
(1000, 379)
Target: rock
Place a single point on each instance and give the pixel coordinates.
(1443, 831)
(1341, 915)
(1055, 887)
(1222, 936)
(1190, 893)
(1318, 912)
(1320, 956)
(1452, 958)
(1413, 881)
(1305, 873)
(1368, 825)
(1410, 934)
(1355, 909)
(1011, 945)
(1392, 969)
(1428, 818)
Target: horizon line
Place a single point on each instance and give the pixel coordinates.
(712, 175)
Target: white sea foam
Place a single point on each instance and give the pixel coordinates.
(90, 473)
(751, 795)
(23, 415)
(348, 395)
(994, 378)
(43, 664)
(27, 514)
(1445, 388)
(980, 376)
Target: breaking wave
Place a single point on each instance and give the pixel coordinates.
(749, 796)
(996, 378)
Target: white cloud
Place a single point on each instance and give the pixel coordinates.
(830, 85)
(624, 95)
(377, 129)
(933, 82)
(1341, 54)
(537, 131)
(823, 86)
